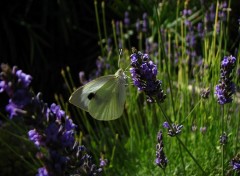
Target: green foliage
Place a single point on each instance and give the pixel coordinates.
(129, 142)
(16, 150)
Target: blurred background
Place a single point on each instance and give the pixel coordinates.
(43, 37)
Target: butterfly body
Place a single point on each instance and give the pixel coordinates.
(103, 98)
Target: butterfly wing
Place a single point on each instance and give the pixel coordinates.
(108, 101)
(83, 95)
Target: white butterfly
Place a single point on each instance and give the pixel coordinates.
(103, 98)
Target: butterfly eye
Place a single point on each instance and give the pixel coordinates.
(91, 95)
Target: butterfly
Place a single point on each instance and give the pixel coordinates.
(103, 97)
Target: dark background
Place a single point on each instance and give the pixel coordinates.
(43, 37)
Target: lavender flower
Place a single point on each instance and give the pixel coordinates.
(35, 137)
(190, 39)
(226, 88)
(126, 19)
(223, 139)
(142, 25)
(13, 79)
(42, 172)
(109, 44)
(16, 84)
(174, 130)
(138, 25)
(51, 129)
(101, 65)
(203, 129)
(235, 163)
(145, 22)
(23, 78)
(194, 128)
(205, 93)
(222, 11)
(151, 47)
(200, 30)
(161, 159)
(211, 15)
(144, 72)
(103, 162)
(186, 13)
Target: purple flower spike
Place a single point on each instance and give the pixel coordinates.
(144, 72)
(235, 163)
(103, 162)
(226, 88)
(175, 130)
(145, 23)
(138, 25)
(35, 137)
(42, 172)
(161, 159)
(52, 130)
(126, 19)
(24, 78)
(166, 125)
(223, 139)
(16, 84)
(57, 111)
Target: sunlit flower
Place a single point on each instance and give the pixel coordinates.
(226, 88)
(16, 84)
(174, 130)
(144, 72)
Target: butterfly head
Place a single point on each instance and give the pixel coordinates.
(121, 76)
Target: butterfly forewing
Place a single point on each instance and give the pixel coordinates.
(80, 97)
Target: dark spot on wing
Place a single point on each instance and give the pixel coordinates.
(91, 95)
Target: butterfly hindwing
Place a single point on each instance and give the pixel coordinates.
(108, 102)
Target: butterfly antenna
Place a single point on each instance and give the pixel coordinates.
(119, 59)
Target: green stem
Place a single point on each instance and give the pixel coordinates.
(190, 154)
(98, 26)
(182, 144)
(166, 61)
(115, 36)
(104, 21)
(183, 163)
(113, 151)
(222, 144)
(237, 136)
(191, 111)
(164, 172)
